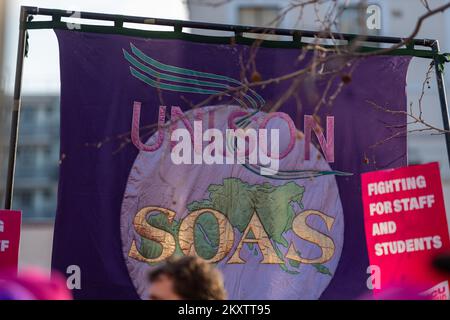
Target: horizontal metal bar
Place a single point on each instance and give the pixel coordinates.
(442, 100)
(222, 27)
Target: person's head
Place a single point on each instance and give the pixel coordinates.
(441, 263)
(187, 278)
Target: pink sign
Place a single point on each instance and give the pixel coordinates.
(406, 226)
(10, 222)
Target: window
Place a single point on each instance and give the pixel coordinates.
(353, 20)
(47, 151)
(28, 115)
(48, 195)
(36, 176)
(26, 155)
(260, 17)
(49, 110)
(25, 198)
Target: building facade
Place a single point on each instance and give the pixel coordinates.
(36, 178)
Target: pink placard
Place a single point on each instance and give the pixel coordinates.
(406, 226)
(10, 222)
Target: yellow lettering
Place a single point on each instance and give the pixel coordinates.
(144, 229)
(261, 239)
(302, 230)
(186, 234)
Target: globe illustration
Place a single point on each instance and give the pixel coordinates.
(300, 217)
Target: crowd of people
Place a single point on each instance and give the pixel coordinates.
(186, 278)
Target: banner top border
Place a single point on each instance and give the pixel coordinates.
(178, 25)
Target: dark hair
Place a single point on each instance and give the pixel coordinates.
(442, 262)
(193, 278)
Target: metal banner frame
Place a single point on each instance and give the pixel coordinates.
(27, 13)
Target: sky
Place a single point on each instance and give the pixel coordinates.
(41, 70)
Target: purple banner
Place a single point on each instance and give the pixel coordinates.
(125, 203)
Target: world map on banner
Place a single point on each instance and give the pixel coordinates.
(253, 227)
(286, 229)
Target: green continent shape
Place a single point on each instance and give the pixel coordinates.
(151, 249)
(238, 200)
(274, 208)
(234, 198)
(206, 235)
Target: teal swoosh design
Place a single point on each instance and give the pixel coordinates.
(168, 77)
(189, 72)
(170, 87)
(151, 66)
